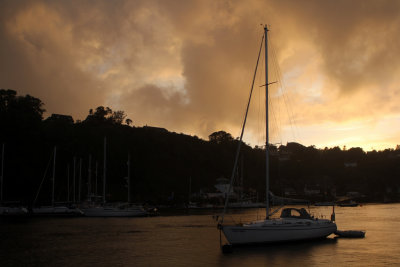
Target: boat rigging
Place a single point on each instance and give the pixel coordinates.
(293, 224)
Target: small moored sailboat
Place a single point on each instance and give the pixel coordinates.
(55, 210)
(121, 210)
(8, 210)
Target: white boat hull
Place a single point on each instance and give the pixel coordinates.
(13, 211)
(273, 231)
(57, 211)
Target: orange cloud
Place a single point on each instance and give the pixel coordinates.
(187, 65)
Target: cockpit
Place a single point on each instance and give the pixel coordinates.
(295, 213)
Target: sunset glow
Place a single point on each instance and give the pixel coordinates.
(187, 65)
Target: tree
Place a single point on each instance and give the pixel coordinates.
(20, 109)
(100, 114)
(105, 115)
(60, 119)
(220, 137)
(128, 121)
(6, 97)
(118, 117)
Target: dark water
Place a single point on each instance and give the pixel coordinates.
(193, 240)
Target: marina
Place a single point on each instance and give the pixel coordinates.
(199, 133)
(179, 239)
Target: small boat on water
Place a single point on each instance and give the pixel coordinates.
(56, 211)
(9, 208)
(13, 211)
(321, 204)
(350, 233)
(113, 210)
(348, 204)
(293, 225)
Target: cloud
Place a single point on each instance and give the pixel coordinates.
(187, 65)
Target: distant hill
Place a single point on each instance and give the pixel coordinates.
(163, 162)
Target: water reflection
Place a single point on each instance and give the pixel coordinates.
(280, 254)
(193, 240)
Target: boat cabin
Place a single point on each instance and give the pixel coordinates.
(295, 213)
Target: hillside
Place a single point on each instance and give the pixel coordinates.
(163, 162)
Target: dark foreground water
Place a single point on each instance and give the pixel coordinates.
(193, 240)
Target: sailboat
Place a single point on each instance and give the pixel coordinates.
(55, 210)
(9, 210)
(121, 210)
(293, 224)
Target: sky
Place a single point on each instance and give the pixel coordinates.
(187, 66)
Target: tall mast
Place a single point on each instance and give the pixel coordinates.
(266, 125)
(190, 189)
(68, 183)
(104, 171)
(80, 180)
(129, 177)
(2, 173)
(90, 178)
(241, 181)
(241, 136)
(73, 181)
(95, 189)
(54, 176)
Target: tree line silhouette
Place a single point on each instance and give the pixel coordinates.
(163, 162)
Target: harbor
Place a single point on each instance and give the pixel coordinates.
(179, 239)
(199, 133)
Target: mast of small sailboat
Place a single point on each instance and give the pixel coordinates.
(2, 173)
(68, 193)
(73, 182)
(96, 173)
(80, 181)
(90, 178)
(104, 171)
(266, 126)
(54, 175)
(129, 177)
